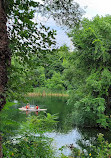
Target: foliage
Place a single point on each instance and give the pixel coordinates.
(69, 15)
(20, 81)
(91, 74)
(30, 41)
(102, 149)
(38, 124)
(90, 109)
(55, 105)
(28, 37)
(55, 83)
(9, 122)
(55, 60)
(27, 147)
(49, 74)
(67, 12)
(23, 137)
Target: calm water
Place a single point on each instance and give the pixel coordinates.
(66, 133)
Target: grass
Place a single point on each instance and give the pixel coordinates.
(46, 92)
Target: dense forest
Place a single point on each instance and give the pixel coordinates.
(30, 61)
(84, 73)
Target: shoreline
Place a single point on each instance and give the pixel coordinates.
(33, 94)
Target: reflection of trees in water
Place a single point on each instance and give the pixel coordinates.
(89, 138)
(58, 105)
(55, 105)
(16, 140)
(91, 133)
(65, 124)
(11, 119)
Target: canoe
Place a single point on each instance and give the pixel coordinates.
(31, 109)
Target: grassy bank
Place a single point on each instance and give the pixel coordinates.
(46, 92)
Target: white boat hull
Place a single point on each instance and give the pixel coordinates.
(31, 109)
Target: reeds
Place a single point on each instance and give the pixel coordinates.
(34, 94)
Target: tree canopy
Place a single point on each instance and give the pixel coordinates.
(91, 62)
(27, 38)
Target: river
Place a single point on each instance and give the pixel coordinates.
(65, 133)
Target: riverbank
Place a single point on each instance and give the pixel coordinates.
(46, 92)
(34, 94)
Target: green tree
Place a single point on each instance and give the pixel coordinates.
(39, 75)
(91, 94)
(52, 65)
(26, 37)
(55, 61)
(55, 83)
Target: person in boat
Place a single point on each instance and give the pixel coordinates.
(28, 106)
(37, 107)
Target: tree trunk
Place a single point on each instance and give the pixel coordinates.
(4, 55)
(4, 60)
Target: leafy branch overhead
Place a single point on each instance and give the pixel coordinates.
(30, 39)
(27, 36)
(64, 12)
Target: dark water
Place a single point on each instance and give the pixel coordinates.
(66, 133)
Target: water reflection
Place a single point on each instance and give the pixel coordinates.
(65, 139)
(55, 105)
(10, 120)
(64, 134)
(89, 135)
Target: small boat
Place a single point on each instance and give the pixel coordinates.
(31, 109)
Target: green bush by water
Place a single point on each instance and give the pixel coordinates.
(25, 139)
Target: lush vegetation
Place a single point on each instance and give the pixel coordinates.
(30, 62)
(25, 48)
(89, 64)
(24, 137)
(50, 75)
(102, 149)
(84, 73)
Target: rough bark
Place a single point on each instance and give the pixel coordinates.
(4, 60)
(4, 55)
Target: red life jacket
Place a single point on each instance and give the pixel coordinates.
(26, 107)
(37, 107)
